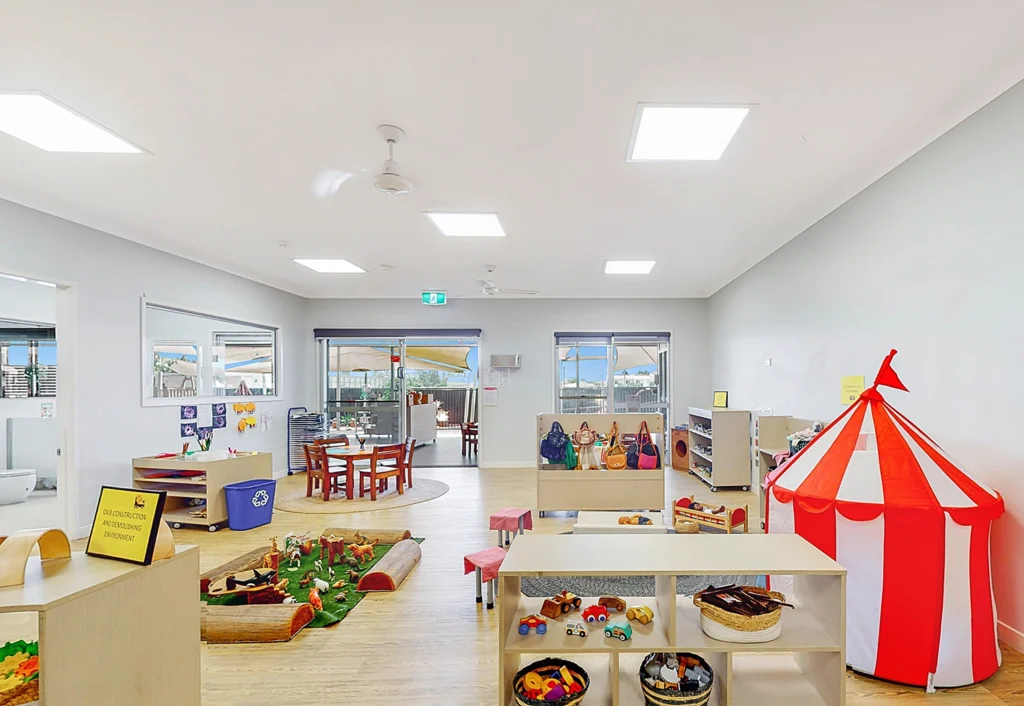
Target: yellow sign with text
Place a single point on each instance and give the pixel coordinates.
(126, 524)
(721, 400)
(851, 386)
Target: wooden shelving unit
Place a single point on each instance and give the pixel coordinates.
(806, 665)
(770, 439)
(626, 489)
(727, 433)
(208, 487)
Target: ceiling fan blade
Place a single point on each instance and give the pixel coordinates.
(328, 181)
(530, 292)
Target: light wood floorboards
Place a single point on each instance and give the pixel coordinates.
(430, 643)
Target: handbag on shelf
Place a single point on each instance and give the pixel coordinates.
(571, 461)
(553, 445)
(614, 456)
(585, 438)
(643, 454)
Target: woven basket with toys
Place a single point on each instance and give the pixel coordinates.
(676, 679)
(744, 614)
(550, 682)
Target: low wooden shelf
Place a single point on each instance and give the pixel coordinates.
(729, 439)
(112, 632)
(626, 489)
(806, 665)
(208, 487)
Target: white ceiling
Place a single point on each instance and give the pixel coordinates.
(524, 108)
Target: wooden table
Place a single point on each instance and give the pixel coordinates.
(112, 632)
(349, 455)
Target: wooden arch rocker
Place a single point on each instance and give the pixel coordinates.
(15, 550)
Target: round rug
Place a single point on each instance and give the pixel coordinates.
(293, 499)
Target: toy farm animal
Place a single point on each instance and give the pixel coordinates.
(295, 559)
(318, 565)
(330, 573)
(349, 562)
(340, 597)
(321, 585)
(289, 599)
(307, 578)
(338, 584)
(353, 576)
(315, 600)
(272, 558)
(333, 546)
(360, 552)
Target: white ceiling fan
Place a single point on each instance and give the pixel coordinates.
(389, 180)
(489, 288)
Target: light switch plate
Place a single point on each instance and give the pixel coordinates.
(767, 362)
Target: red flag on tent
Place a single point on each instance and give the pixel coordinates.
(887, 376)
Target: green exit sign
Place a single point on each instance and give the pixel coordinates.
(435, 298)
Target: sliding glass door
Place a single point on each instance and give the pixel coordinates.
(365, 395)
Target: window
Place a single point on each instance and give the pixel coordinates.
(28, 362)
(192, 355)
(602, 373)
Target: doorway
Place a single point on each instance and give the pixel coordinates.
(406, 384)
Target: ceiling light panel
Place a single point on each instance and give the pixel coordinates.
(48, 125)
(678, 132)
(484, 225)
(333, 267)
(628, 267)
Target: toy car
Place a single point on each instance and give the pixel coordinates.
(595, 614)
(623, 631)
(640, 613)
(533, 621)
(612, 603)
(575, 627)
(560, 604)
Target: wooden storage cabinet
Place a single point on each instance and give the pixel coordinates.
(727, 432)
(208, 487)
(806, 666)
(626, 489)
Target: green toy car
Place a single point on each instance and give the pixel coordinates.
(623, 631)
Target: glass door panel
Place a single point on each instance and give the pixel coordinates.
(640, 378)
(365, 389)
(583, 378)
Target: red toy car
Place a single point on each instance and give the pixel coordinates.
(595, 614)
(533, 621)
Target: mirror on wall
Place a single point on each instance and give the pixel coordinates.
(189, 355)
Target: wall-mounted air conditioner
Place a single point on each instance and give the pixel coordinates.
(505, 361)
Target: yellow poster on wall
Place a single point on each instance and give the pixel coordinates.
(851, 386)
(125, 526)
(721, 399)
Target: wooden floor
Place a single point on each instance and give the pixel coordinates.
(430, 643)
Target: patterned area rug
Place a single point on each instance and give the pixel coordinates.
(623, 585)
(291, 497)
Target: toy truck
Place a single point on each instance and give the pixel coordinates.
(560, 604)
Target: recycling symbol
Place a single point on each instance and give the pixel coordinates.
(260, 499)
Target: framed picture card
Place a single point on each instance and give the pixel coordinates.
(721, 400)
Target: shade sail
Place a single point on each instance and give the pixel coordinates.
(349, 359)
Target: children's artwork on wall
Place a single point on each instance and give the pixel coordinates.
(189, 429)
(219, 409)
(220, 421)
(189, 411)
(246, 423)
(266, 420)
(205, 435)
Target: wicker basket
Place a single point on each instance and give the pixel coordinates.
(730, 627)
(674, 697)
(687, 527)
(550, 665)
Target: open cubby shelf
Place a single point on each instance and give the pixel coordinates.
(729, 440)
(805, 665)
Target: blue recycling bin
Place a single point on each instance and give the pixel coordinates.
(250, 503)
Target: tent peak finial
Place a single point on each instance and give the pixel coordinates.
(887, 377)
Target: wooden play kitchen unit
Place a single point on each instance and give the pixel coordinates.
(111, 632)
(804, 666)
(626, 489)
(185, 479)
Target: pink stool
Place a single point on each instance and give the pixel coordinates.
(486, 564)
(510, 520)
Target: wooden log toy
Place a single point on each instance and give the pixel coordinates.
(367, 536)
(392, 569)
(222, 624)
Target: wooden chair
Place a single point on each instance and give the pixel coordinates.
(410, 448)
(319, 472)
(470, 433)
(378, 472)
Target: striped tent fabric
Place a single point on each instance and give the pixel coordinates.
(912, 528)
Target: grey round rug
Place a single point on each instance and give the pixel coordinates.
(623, 585)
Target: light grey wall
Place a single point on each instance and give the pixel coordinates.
(111, 274)
(508, 431)
(929, 261)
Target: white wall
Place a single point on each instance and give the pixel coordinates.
(24, 301)
(110, 275)
(928, 261)
(508, 431)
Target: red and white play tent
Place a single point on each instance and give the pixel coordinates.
(912, 528)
